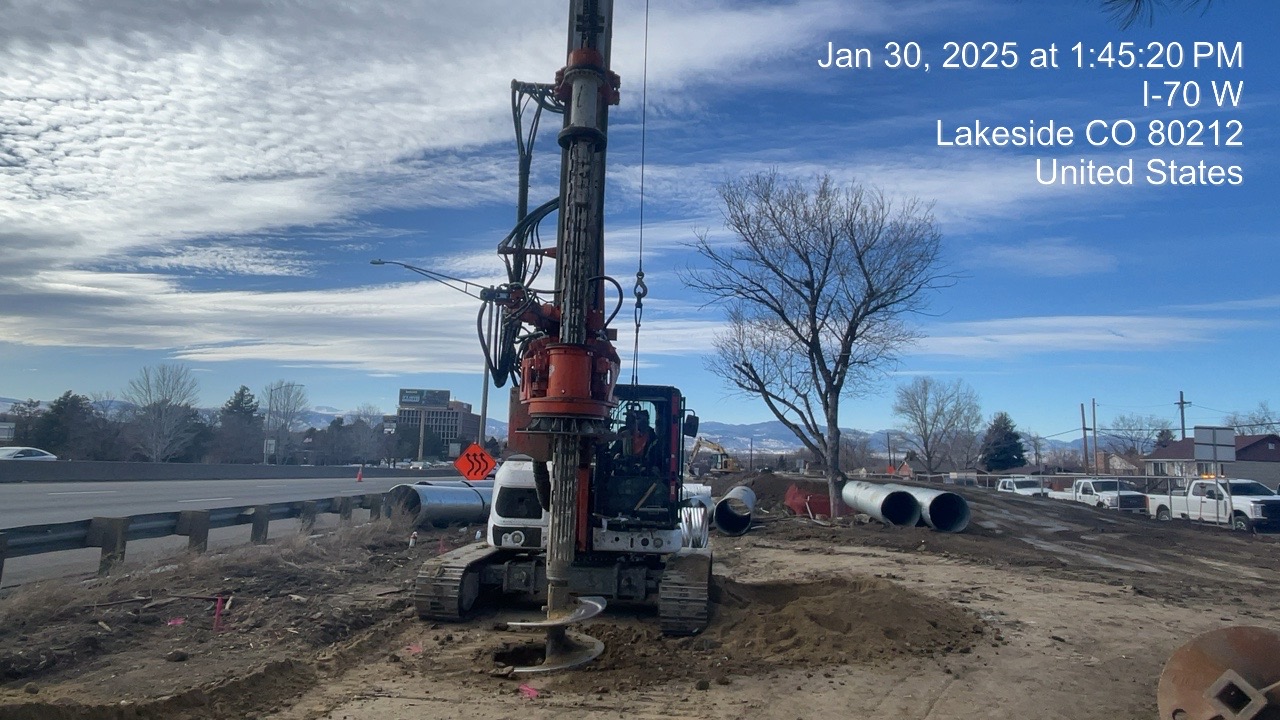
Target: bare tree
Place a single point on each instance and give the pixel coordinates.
(162, 397)
(1261, 419)
(856, 453)
(1129, 12)
(286, 402)
(1065, 458)
(1034, 441)
(818, 287)
(964, 449)
(934, 414)
(368, 412)
(1132, 435)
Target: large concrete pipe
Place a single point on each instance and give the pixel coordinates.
(441, 505)
(888, 505)
(732, 514)
(941, 510)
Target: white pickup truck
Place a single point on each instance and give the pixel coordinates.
(1104, 493)
(1245, 504)
(1022, 485)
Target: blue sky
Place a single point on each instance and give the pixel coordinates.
(208, 185)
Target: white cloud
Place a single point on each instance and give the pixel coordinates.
(1010, 338)
(1048, 257)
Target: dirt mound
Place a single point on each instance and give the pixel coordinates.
(837, 620)
(759, 627)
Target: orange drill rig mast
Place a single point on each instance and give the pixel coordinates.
(590, 507)
(568, 375)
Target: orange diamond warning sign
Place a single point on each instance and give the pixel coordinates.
(475, 463)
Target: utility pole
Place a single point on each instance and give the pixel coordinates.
(422, 429)
(1182, 413)
(1084, 430)
(1095, 435)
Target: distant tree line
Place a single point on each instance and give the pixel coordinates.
(155, 419)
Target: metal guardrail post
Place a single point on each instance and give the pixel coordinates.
(344, 507)
(108, 534)
(195, 525)
(261, 520)
(374, 504)
(307, 515)
(4, 551)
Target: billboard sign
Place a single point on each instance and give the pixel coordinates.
(419, 397)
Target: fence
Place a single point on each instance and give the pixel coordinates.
(112, 533)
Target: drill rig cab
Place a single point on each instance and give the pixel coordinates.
(635, 551)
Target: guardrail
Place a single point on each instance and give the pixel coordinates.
(112, 533)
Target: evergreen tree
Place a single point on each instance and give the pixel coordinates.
(25, 416)
(1164, 438)
(238, 438)
(1002, 446)
(64, 429)
(242, 404)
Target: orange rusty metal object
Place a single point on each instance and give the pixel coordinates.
(1226, 674)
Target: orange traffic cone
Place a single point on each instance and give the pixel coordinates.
(360, 475)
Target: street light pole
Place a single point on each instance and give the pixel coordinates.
(466, 288)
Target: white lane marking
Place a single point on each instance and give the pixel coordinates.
(206, 499)
(270, 486)
(85, 492)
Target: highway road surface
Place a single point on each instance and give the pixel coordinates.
(41, 503)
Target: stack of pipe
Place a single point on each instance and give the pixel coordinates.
(905, 505)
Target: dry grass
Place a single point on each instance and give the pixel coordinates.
(37, 604)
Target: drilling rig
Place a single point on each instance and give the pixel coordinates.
(606, 525)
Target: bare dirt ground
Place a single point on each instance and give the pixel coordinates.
(1042, 609)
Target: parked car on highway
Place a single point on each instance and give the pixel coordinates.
(25, 453)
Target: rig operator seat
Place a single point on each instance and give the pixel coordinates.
(637, 443)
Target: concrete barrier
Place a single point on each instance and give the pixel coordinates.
(12, 471)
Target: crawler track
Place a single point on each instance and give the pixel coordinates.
(447, 586)
(684, 606)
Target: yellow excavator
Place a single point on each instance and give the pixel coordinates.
(721, 460)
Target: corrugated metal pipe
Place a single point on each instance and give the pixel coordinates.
(445, 504)
(732, 513)
(888, 505)
(695, 515)
(941, 510)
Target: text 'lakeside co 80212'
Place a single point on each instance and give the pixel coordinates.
(1122, 133)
